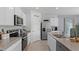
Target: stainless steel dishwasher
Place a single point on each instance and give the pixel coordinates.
(23, 34)
(24, 42)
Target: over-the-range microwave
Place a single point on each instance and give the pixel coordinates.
(18, 21)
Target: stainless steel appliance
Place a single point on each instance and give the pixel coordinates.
(13, 33)
(24, 42)
(23, 34)
(44, 29)
(18, 21)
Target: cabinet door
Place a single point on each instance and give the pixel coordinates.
(29, 38)
(54, 21)
(51, 43)
(6, 16)
(18, 11)
(15, 47)
(9, 16)
(21, 14)
(2, 15)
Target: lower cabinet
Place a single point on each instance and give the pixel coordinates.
(51, 43)
(61, 47)
(54, 45)
(15, 47)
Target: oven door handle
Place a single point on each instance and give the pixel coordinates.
(24, 37)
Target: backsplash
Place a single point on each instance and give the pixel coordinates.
(9, 27)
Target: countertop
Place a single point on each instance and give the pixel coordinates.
(6, 43)
(72, 46)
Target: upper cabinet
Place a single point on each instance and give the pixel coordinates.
(54, 21)
(20, 13)
(7, 15)
(2, 15)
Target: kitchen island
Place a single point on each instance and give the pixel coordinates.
(11, 44)
(61, 43)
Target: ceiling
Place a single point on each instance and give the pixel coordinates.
(53, 10)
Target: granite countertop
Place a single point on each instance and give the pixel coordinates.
(72, 46)
(6, 43)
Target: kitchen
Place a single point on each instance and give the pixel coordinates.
(50, 28)
(13, 34)
(62, 22)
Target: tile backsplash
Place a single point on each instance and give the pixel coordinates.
(9, 27)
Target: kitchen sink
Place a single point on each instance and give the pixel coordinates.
(59, 36)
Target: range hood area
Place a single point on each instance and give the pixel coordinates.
(18, 21)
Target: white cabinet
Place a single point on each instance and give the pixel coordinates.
(2, 15)
(51, 43)
(18, 11)
(16, 46)
(24, 20)
(6, 16)
(21, 14)
(9, 16)
(54, 21)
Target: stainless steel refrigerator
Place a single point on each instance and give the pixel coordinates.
(44, 29)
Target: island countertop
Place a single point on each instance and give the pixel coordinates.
(6, 43)
(72, 46)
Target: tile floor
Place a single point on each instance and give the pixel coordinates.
(40, 45)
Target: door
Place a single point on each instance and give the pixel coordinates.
(35, 26)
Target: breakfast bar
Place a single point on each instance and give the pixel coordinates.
(63, 42)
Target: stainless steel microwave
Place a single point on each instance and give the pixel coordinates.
(18, 21)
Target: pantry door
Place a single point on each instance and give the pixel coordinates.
(35, 26)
